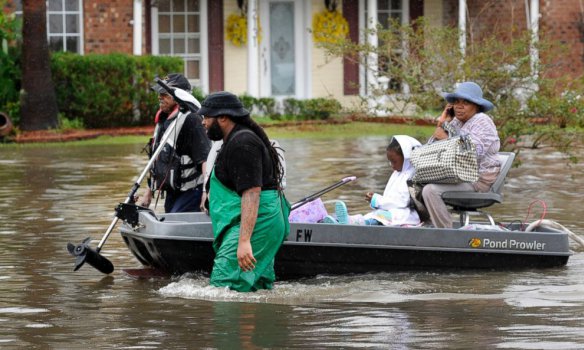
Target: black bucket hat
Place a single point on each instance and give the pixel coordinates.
(222, 103)
(175, 80)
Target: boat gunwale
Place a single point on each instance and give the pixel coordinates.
(150, 236)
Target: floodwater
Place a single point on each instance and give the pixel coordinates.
(54, 195)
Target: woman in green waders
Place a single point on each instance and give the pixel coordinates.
(248, 209)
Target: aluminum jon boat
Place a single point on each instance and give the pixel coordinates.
(181, 243)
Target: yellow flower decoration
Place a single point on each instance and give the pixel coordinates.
(329, 27)
(236, 30)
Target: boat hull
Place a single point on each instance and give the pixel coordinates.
(182, 243)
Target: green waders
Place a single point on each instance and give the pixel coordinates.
(270, 230)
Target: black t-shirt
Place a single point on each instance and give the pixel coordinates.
(192, 139)
(244, 162)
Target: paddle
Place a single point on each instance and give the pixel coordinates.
(314, 196)
(82, 252)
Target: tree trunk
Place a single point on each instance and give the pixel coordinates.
(38, 100)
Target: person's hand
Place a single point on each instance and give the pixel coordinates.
(145, 200)
(445, 116)
(440, 134)
(204, 196)
(245, 257)
(368, 196)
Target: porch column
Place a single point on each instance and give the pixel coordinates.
(372, 61)
(405, 5)
(253, 83)
(462, 26)
(534, 27)
(137, 21)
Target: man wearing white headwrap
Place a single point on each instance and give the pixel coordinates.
(393, 207)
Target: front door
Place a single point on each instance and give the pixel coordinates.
(282, 58)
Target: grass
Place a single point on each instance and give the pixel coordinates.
(307, 131)
(348, 130)
(98, 141)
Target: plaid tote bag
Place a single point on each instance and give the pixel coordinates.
(449, 161)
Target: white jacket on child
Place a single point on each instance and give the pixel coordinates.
(396, 197)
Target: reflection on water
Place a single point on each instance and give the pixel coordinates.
(51, 196)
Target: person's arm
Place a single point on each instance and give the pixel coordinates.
(204, 193)
(396, 193)
(399, 198)
(145, 199)
(250, 202)
(483, 133)
(440, 133)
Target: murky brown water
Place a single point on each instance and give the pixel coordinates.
(51, 196)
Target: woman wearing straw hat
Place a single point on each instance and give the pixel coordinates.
(469, 107)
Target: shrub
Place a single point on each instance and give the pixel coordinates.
(314, 108)
(198, 94)
(321, 108)
(267, 106)
(10, 56)
(248, 102)
(67, 124)
(109, 90)
(293, 108)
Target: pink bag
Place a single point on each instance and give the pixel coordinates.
(311, 212)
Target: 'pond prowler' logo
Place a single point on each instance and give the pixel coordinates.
(474, 242)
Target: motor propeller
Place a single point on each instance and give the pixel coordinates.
(83, 253)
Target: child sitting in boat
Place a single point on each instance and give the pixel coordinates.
(393, 207)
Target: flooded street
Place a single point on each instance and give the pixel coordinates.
(59, 194)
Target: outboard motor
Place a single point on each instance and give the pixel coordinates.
(5, 125)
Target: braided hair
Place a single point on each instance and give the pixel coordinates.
(277, 166)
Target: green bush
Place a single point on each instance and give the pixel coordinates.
(293, 109)
(321, 108)
(10, 55)
(267, 106)
(248, 102)
(198, 94)
(108, 90)
(563, 109)
(68, 124)
(314, 108)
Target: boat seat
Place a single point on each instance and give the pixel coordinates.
(468, 203)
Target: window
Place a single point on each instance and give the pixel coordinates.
(389, 12)
(64, 24)
(179, 33)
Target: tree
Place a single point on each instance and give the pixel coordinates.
(38, 101)
(420, 61)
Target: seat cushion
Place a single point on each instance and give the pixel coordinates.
(471, 200)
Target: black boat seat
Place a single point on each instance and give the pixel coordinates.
(468, 203)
